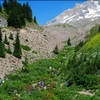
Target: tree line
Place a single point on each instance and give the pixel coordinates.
(17, 47)
(17, 13)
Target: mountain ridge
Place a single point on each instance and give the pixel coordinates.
(87, 10)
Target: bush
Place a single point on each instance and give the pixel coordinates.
(34, 52)
(25, 47)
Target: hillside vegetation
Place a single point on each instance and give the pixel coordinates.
(74, 74)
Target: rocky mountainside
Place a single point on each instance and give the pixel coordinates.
(36, 40)
(74, 23)
(87, 10)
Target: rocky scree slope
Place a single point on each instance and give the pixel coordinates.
(36, 40)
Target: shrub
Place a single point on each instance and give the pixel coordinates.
(25, 47)
(34, 52)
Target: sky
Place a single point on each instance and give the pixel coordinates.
(47, 10)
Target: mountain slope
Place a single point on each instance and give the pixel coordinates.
(74, 23)
(87, 10)
(34, 43)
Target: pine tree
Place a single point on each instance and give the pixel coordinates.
(5, 4)
(0, 8)
(35, 21)
(28, 12)
(56, 51)
(2, 50)
(0, 35)
(6, 40)
(69, 42)
(17, 48)
(2, 46)
(9, 50)
(11, 36)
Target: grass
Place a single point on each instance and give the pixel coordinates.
(92, 45)
(25, 47)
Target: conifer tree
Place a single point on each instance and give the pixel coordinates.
(0, 35)
(9, 50)
(2, 50)
(6, 40)
(69, 42)
(2, 46)
(35, 21)
(56, 51)
(28, 12)
(11, 36)
(5, 4)
(0, 8)
(17, 48)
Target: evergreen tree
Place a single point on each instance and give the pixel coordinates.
(17, 48)
(16, 19)
(35, 21)
(5, 4)
(11, 36)
(28, 12)
(0, 35)
(9, 50)
(2, 50)
(6, 40)
(56, 51)
(2, 46)
(69, 42)
(0, 8)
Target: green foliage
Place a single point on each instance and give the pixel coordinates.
(27, 12)
(0, 8)
(25, 47)
(25, 63)
(5, 4)
(2, 46)
(17, 13)
(11, 36)
(95, 30)
(9, 50)
(34, 52)
(77, 47)
(16, 18)
(6, 40)
(0, 35)
(17, 48)
(35, 21)
(56, 51)
(82, 69)
(69, 42)
(2, 50)
(73, 69)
